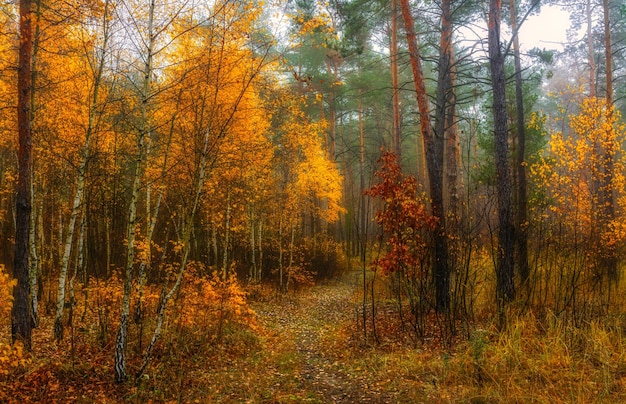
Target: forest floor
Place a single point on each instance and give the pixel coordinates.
(305, 347)
(308, 327)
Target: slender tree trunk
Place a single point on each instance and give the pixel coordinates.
(260, 267)
(107, 242)
(34, 260)
(121, 339)
(452, 151)
(152, 214)
(186, 235)
(593, 92)
(362, 217)
(505, 287)
(34, 257)
(214, 243)
(76, 206)
(434, 160)
(252, 271)
(78, 265)
(522, 197)
(21, 321)
(208, 144)
(606, 195)
(280, 254)
(332, 112)
(292, 245)
(80, 182)
(395, 86)
(226, 240)
(608, 52)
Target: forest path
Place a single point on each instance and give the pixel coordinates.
(306, 326)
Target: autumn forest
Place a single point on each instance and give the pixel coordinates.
(311, 201)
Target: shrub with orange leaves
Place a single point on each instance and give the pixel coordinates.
(10, 355)
(210, 302)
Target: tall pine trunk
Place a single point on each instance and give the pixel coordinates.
(434, 160)
(593, 92)
(505, 287)
(397, 121)
(21, 322)
(520, 161)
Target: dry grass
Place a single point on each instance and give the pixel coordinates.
(540, 358)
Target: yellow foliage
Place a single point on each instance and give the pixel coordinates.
(10, 356)
(310, 181)
(6, 293)
(578, 168)
(210, 302)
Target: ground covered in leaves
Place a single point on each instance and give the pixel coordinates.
(306, 347)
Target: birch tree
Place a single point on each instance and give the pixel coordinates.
(98, 66)
(149, 41)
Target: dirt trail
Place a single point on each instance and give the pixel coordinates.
(306, 323)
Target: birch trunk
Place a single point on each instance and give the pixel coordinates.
(291, 248)
(226, 239)
(80, 182)
(252, 271)
(152, 214)
(208, 145)
(260, 244)
(121, 339)
(33, 267)
(34, 257)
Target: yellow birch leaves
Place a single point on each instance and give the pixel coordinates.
(578, 167)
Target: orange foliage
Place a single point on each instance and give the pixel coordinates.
(209, 303)
(10, 356)
(404, 219)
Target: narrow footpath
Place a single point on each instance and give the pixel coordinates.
(307, 324)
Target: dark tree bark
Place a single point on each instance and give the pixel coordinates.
(505, 287)
(21, 322)
(445, 123)
(522, 196)
(434, 159)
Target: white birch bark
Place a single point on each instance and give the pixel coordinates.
(80, 181)
(121, 339)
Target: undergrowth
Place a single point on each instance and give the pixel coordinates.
(244, 355)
